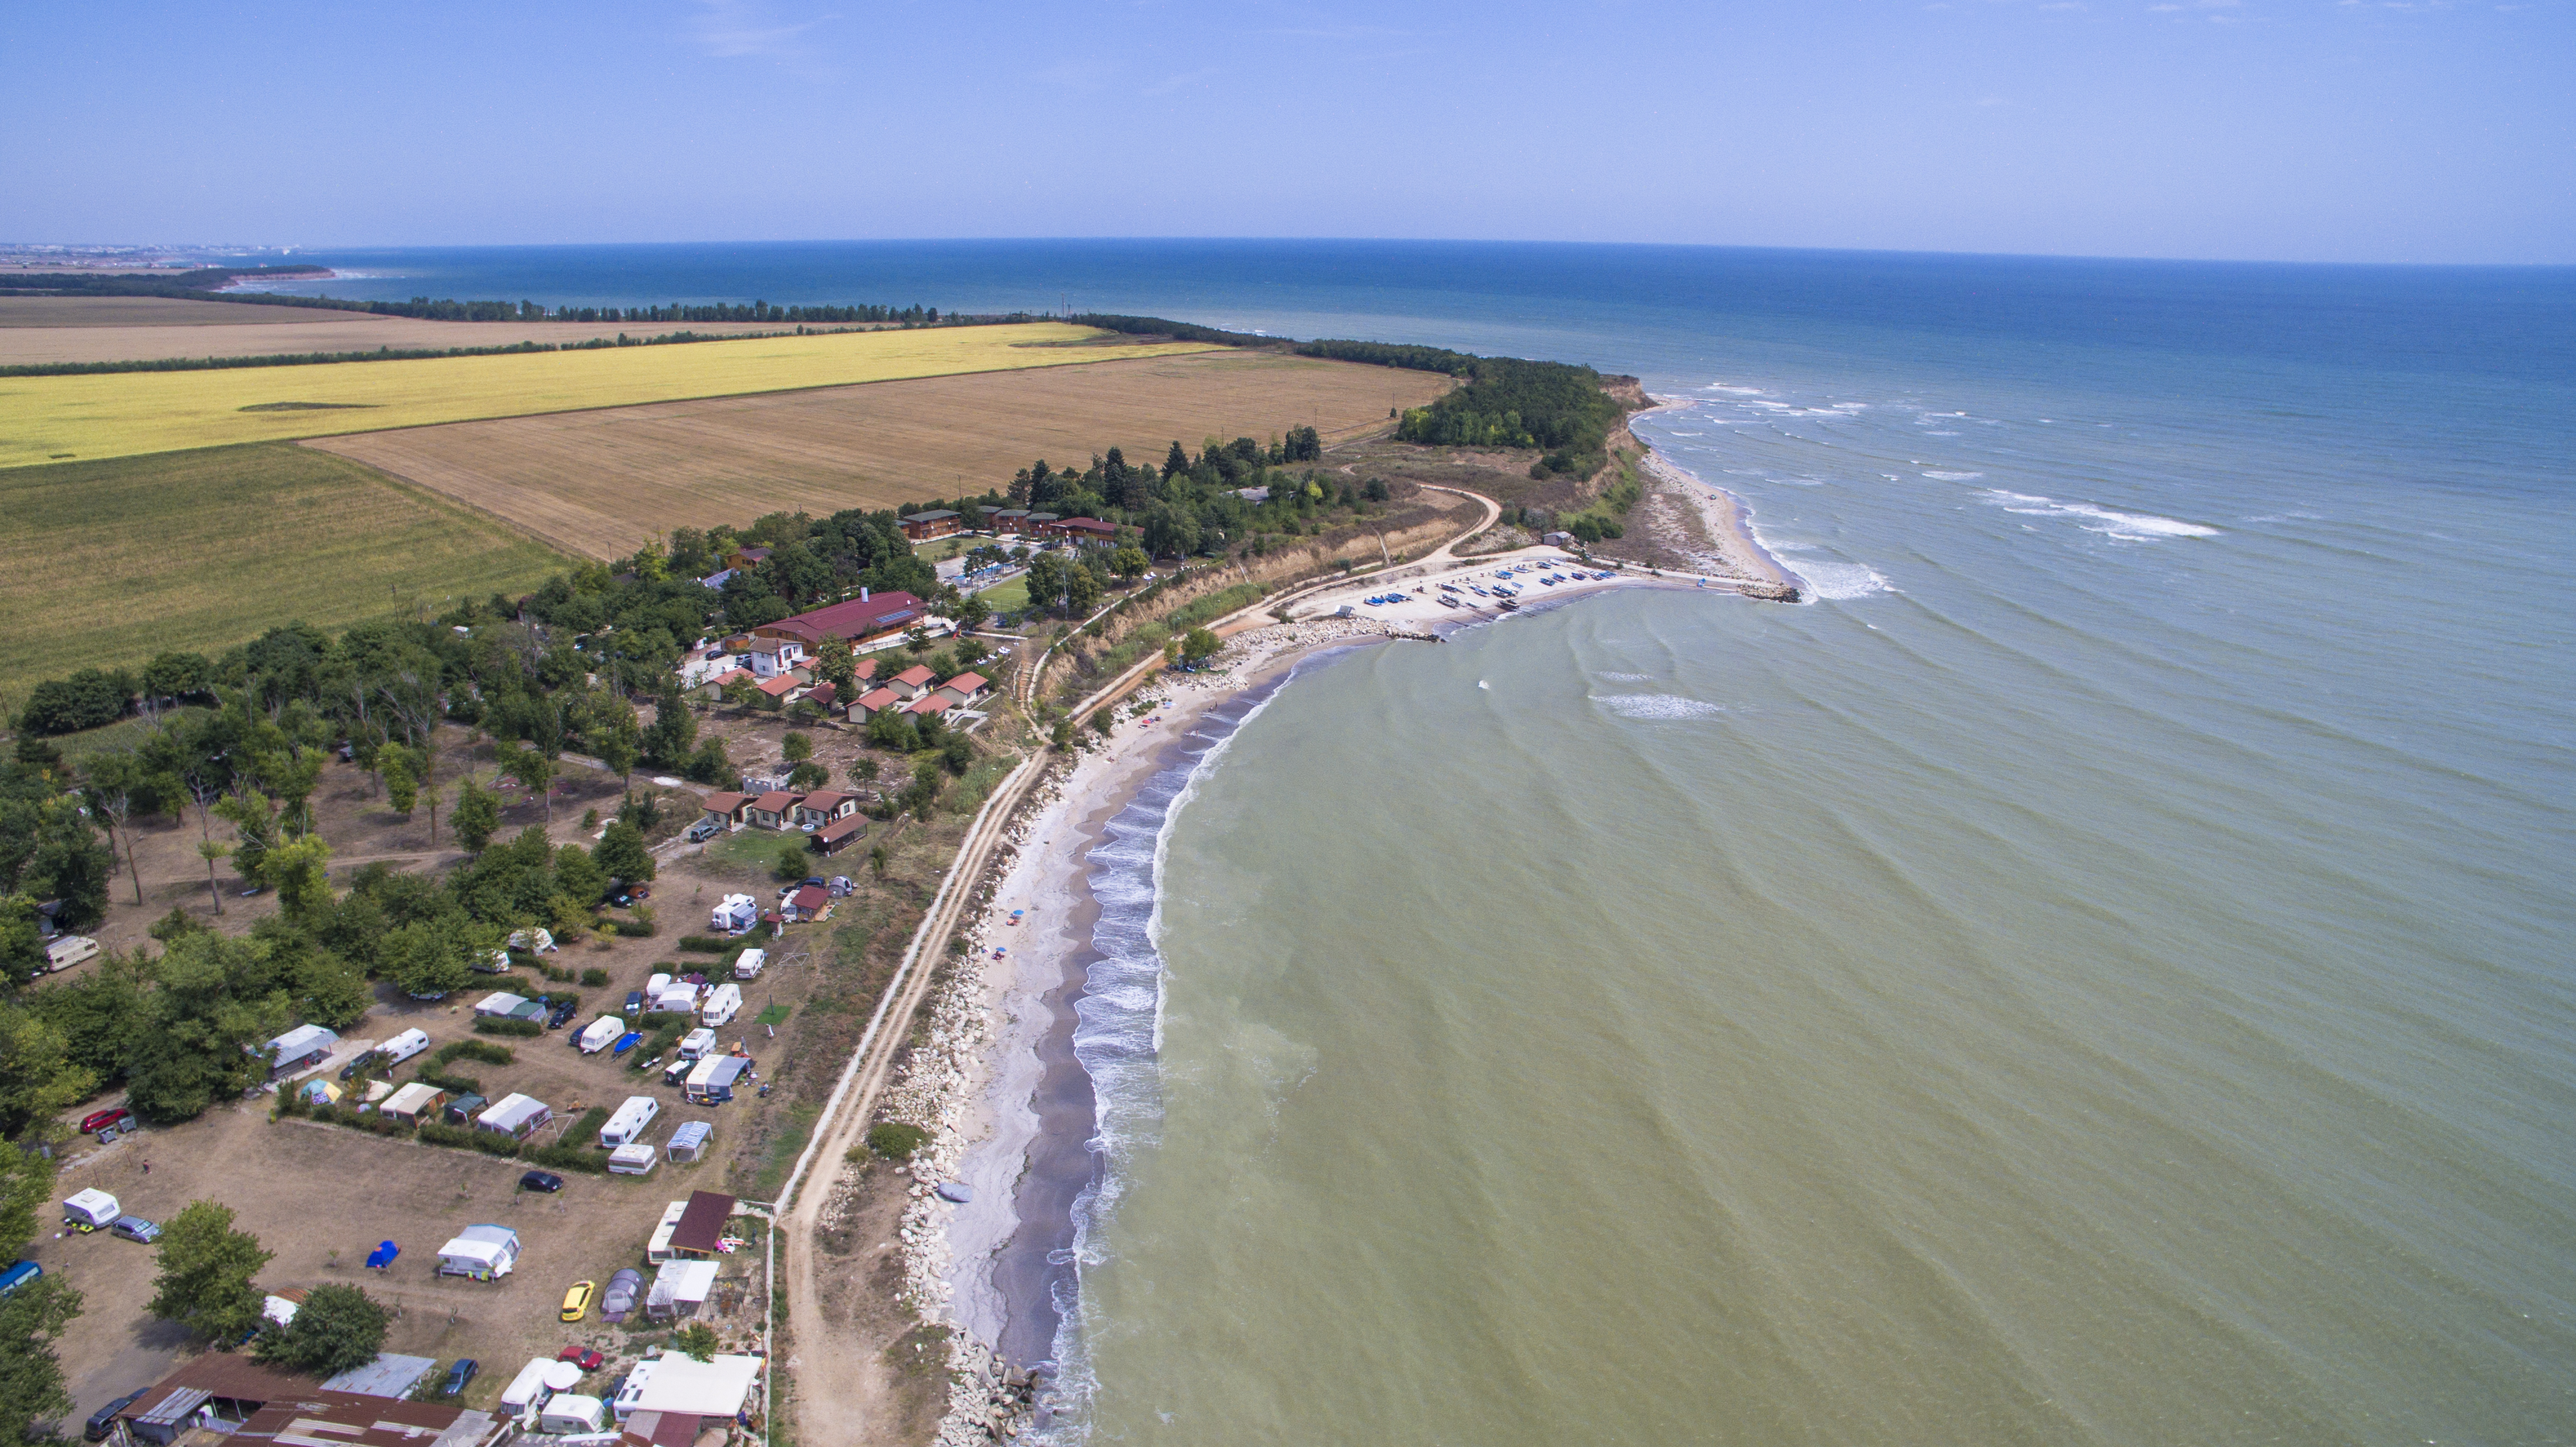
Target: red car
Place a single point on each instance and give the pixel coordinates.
(586, 1358)
(99, 1120)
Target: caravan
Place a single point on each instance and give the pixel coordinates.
(485, 1253)
(630, 1122)
(723, 1003)
(734, 914)
(601, 1034)
(749, 964)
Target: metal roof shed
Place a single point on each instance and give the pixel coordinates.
(388, 1375)
(689, 1387)
(679, 1289)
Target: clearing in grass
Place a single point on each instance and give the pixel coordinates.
(105, 564)
(46, 419)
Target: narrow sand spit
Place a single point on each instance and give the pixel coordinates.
(1737, 554)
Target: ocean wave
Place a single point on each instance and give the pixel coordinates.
(2129, 527)
(1655, 705)
(1954, 476)
(1627, 677)
(1835, 581)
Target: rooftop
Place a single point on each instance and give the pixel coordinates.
(702, 1222)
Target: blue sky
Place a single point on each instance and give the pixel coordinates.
(2282, 129)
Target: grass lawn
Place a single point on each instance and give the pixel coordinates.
(1008, 597)
(940, 550)
(83, 418)
(109, 563)
(753, 849)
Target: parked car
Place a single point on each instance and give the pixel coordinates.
(367, 1061)
(624, 1290)
(586, 1358)
(109, 1119)
(458, 1375)
(703, 830)
(135, 1228)
(103, 1421)
(635, 1002)
(577, 1301)
(546, 1181)
(556, 1017)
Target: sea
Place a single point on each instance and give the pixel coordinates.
(2093, 973)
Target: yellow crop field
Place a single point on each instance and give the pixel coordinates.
(51, 419)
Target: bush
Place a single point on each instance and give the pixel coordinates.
(86, 700)
(594, 977)
(489, 1026)
(640, 927)
(587, 1128)
(452, 1084)
(439, 1133)
(493, 1143)
(790, 863)
(704, 944)
(567, 1157)
(483, 1050)
(896, 1140)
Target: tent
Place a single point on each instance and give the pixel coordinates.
(680, 1289)
(384, 1254)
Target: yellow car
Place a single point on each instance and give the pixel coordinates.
(577, 1301)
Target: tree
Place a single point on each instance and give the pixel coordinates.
(797, 748)
(621, 853)
(206, 1271)
(697, 1339)
(113, 784)
(402, 778)
(807, 777)
(1082, 592)
(300, 872)
(863, 769)
(922, 794)
(338, 1328)
(32, 1319)
(211, 850)
(790, 863)
(1129, 562)
(533, 770)
(431, 958)
(1198, 646)
(476, 817)
(877, 860)
(578, 877)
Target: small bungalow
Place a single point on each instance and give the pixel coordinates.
(1090, 530)
(701, 1225)
(864, 672)
(965, 688)
(727, 809)
(938, 522)
(912, 683)
(818, 809)
(300, 1048)
(784, 687)
(840, 834)
(746, 557)
(824, 695)
(516, 1116)
(927, 705)
(773, 810)
(1035, 524)
(812, 902)
(873, 702)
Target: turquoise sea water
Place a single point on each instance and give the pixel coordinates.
(2099, 974)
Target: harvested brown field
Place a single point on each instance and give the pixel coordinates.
(601, 482)
(36, 330)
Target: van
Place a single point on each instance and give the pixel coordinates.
(19, 1275)
(70, 950)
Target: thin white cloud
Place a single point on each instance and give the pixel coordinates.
(732, 29)
(1182, 81)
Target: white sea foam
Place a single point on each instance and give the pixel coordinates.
(1840, 582)
(1940, 434)
(2127, 527)
(1954, 476)
(1655, 705)
(1627, 677)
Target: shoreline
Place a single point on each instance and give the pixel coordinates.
(1012, 1109)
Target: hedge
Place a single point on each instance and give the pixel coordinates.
(483, 1050)
(705, 944)
(633, 929)
(488, 1025)
(567, 1157)
(452, 1084)
(594, 977)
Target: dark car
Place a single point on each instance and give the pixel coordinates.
(102, 1421)
(109, 1119)
(368, 1061)
(635, 1002)
(546, 1181)
(586, 1358)
(457, 1376)
(556, 1017)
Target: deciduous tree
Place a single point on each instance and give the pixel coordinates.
(206, 1273)
(338, 1328)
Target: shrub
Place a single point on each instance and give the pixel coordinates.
(493, 1143)
(439, 1133)
(483, 1050)
(489, 1026)
(704, 944)
(594, 977)
(587, 1128)
(566, 1157)
(452, 1084)
(553, 998)
(896, 1140)
(790, 863)
(640, 927)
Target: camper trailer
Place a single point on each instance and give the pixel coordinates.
(734, 914)
(603, 1032)
(402, 1047)
(91, 1210)
(722, 1004)
(658, 1250)
(572, 1412)
(713, 1081)
(485, 1253)
(630, 1122)
(749, 964)
(638, 1159)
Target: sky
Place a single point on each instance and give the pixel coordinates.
(2311, 130)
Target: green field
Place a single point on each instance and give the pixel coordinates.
(107, 563)
(1008, 597)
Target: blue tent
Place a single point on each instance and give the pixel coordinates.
(383, 1256)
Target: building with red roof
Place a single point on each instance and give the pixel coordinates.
(773, 810)
(873, 702)
(965, 688)
(913, 682)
